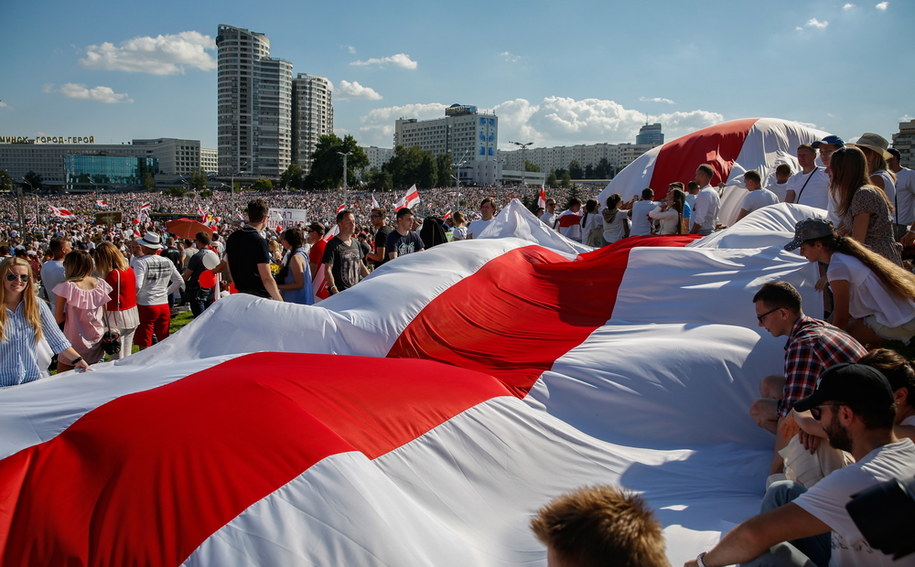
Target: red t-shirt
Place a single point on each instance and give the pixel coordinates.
(316, 255)
(124, 292)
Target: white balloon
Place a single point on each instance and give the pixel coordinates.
(210, 259)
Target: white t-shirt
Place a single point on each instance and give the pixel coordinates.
(827, 499)
(476, 227)
(905, 197)
(780, 190)
(641, 224)
(867, 294)
(816, 191)
(758, 199)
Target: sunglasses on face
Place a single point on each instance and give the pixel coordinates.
(21, 277)
(817, 412)
(766, 314)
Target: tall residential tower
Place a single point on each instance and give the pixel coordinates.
(254, 113)
(312, 116)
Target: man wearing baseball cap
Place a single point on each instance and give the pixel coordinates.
(854, 404)
(826, 146)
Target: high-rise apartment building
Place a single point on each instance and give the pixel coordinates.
(650, 134)
(904, 141)
(469, 136)
(254, 113)
(312, 116)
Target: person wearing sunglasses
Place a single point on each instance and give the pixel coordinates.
(855, 405)
(812, 346)
(24, 322)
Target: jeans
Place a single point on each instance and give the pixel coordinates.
(807, 552)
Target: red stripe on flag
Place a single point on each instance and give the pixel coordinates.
(518, 313)
(147, 477)
(678, 159)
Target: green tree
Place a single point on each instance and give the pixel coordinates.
(411, 165)
(379, 180)
(197, 181)
(552, 180)
(327, 164)
(565, 180)
(175, 192)
(206, 194)
(293, 177)
(149, 182)
(445, 170)
(34, 180)
(262, 186)
(528, 166)
(589, 171)
(575, 170)
(6, 182)
(602, 171)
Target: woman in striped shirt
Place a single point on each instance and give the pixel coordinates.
(24, 321)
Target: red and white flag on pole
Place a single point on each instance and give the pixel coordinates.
(62, 213)
(446, 216)
(410, 200)
(541, 199)
(375, 204)
(341, 208)
(101, 203)
(145, 206)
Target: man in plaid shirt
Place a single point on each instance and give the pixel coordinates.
(813, 346)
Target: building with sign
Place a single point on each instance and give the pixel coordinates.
(471, 137)
(86, 173)
(175, 158)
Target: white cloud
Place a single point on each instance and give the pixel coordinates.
(353, 90)
(554, 121)
(3, 104)
(656, 99)
(97, 94)
(882, 6)
(814, 23)
(848, 7)
(350, 49)
(160, 55)
(510, 57)
(398, 60)
(378, 125)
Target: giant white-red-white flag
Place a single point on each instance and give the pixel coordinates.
(409, 200)
(513, 369)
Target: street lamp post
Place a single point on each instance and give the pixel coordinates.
(345, 155)
(523, 147)
(20, 207)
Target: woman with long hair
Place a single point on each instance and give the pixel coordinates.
(874, 147)
(294, 279)
(121, 311)
(863, 210)
(616, 223)
(592, 225)
(24, 321)
(80, 299)
(873, 298)
(669, 212)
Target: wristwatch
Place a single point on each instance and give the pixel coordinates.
(699, 560)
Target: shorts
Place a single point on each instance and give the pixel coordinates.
(902, 332)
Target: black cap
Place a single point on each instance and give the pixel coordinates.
(809, 229)
(857, 385)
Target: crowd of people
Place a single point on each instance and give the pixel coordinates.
(842, 414)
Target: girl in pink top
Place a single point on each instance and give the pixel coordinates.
(80, 299)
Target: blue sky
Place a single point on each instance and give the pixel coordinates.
(556, 73)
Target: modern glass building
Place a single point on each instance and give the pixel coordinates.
(95, 173)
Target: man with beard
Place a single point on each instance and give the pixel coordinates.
(855, 405)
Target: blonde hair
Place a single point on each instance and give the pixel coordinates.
(107, 258)
(29, 298)
(898, 281)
